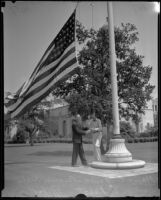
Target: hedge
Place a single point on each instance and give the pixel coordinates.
(89, 141)
(146, 139)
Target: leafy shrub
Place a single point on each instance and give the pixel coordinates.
(136, 140)
(87, 141)
(126, 130)
(141, 140)
(152, 132)
(144, 134)
(130, 140)
(148, 139)
(14, 139)
(20, 137)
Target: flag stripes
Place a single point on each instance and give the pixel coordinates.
(48, 81)
(57, 64)
(53, 47)
(43, 71)
(49, 77)
(36, 70)
(44, 92)
(53, 66)
(37, 86)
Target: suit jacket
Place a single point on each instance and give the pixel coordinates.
(78, 131)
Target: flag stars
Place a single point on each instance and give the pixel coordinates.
(61, 42)
(64, 38)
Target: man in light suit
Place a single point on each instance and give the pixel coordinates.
(96, 128)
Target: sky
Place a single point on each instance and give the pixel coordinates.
(29, 28)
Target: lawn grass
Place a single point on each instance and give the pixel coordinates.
(27, 172)
(63, 151)
(144, 151)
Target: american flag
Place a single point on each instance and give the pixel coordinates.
(57, 64)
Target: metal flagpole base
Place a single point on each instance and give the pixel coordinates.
(118, 157)
(117, 152)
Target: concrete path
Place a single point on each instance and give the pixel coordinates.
(149, 168)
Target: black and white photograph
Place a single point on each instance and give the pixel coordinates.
(80, 99)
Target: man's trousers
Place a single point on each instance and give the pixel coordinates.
(78, 149)
(96, 146)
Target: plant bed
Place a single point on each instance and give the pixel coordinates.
(136, 140)
(88, 140)
(130, 141)
(141, 140)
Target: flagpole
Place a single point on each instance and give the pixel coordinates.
(117, 149)
(115, 109)
(76, 5)
(118, 156)
(75, 30)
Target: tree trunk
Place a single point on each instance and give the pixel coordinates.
(31, 139)
(32, 133)
(137, 128)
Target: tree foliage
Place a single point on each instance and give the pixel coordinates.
(91, 85)
(32, 121)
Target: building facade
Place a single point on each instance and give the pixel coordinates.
(155, 112)
(149, 118)
(63, 120)
(59, 118)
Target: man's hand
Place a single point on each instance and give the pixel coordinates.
(88, 131)
(94, 130)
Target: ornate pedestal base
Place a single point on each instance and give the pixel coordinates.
(118, 157)
(117, 152)
(125, 165)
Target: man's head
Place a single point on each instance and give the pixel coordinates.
(78, 119)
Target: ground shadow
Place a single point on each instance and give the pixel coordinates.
(57, 153)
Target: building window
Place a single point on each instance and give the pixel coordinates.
(155, 107)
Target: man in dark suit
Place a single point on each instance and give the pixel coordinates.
(78, 131)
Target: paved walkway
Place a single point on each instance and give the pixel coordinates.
(149, 168)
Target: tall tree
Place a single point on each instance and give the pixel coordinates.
(91, 86)
(33, 120)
